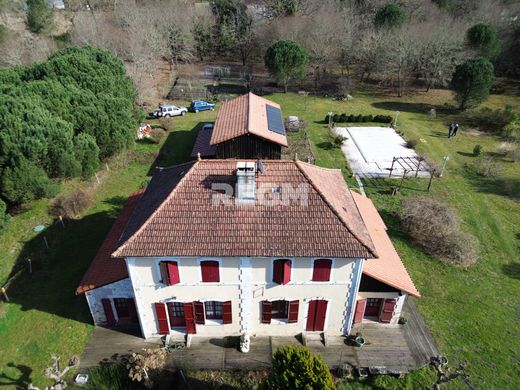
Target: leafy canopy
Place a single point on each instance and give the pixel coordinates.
(286, 61)
(390, 16)
(295, 368)
(483, 37)
(39, 16)
(471, 82)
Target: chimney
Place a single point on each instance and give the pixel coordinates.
(246, 185)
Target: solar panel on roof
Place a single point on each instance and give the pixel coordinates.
(274, 119)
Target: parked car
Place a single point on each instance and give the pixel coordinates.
(168, 111)
(201, 105)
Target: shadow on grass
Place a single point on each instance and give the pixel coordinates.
(439, 134)
(466, 154)
(325, 145)
(177, 148)
(417, 108)
(21, 382)
(512, 270)
(499, 186)
(58, 270)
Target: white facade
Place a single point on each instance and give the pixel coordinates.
(246, 282)
(120, 289)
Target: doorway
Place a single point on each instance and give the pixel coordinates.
(373, 307)
(316, 316)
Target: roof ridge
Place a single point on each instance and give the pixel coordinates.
(298, 164)
(152, 215)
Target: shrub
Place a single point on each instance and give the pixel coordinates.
(350, 118)
(483, 37)
(71, 205)
(359, 118)
(25, 182)
(338, 140)
(435, 227)
(343, 118)
(295, 368)
(471, 82)
(335, 118)
(511, 131)
(3, 215)
(411, 143)
(368, 118)
(487, 166)
(157, 135)
(493, 121)
(167, 123)
(111, 376)
(39, 16)
(87, 153)
(390, 16)
(514, 154)
(477, 150)
(327, 118)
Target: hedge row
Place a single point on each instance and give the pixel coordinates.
(337, 118)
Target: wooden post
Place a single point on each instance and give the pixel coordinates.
(392, 167)
(418, 166)
(2, 290)
(402, 179)
(431, 179)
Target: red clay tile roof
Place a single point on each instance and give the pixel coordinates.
(187, 223)
(202, 144)
(245, 114)
(104, 269)
(388, 268)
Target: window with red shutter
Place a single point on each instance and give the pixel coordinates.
(210, 271)
(109, 313)
(226, 312)
(293, 311)
(173, 272)
(360, 310)
(164, 273)
(282, 271)
(162, 318)
(321, 271)
(199, 312)
(266, 312)
(189, 316)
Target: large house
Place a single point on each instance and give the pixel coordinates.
(227, 247)
(247, 127)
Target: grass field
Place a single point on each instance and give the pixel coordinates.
(473, 313)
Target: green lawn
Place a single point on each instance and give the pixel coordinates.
(472, 313)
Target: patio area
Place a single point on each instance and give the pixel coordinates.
(388, 348)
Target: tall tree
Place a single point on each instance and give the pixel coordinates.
(482, 37)
(390, 16)
(286, 61)
(472, 81)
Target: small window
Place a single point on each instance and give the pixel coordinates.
(280, 310)
(213, 310)
(282, 271)
(169, 272)
(210, 271)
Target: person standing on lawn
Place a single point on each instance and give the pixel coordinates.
(450, 130)
(455, 129)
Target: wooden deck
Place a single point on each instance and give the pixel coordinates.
(388, 348)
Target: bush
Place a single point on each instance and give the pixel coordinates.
(111, 376)
(368, 118)
(435, 227)
(488, 166)
(39, 16)
(511, 131)
(167, 123)
(359, 118)
(71, 205)
(483, 38)
(87, 153)
(493, 121)
(157, 135)
(411, 143)
(390, 16)
(4, 217)
(350, 118)
(514, 154)
(335, 118)
(477, 150)
(471, 82)
(338, 140)
(295, 368)
(25, 182)
(343, 118)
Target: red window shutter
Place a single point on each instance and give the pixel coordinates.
(165, 279)
(293, 311)
(162, 319)
(226, 312)
(321, 313)
(321, 271)
(210, 271)
(286, 271)
(311, 316)
(173, 272)
(109, 313)
(132, 310)
(360, 310)
(189, 317)
(388, 310)
(282, 271)
(266, 312)
(278, 271)
(199, 312)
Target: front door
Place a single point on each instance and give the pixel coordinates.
(373, 307)
(125, 309)
(176, 314)
(316, 316)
